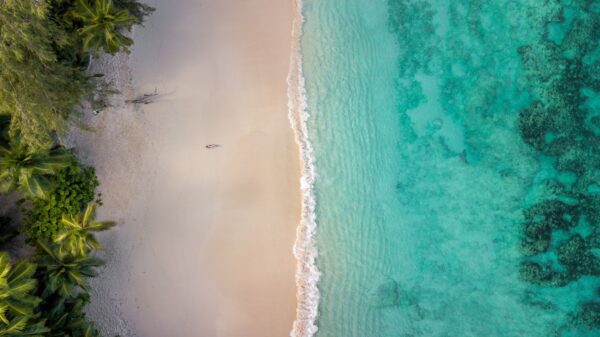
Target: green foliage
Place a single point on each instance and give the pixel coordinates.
(56, 307)
(44, 55)
(66, 317)
(64, 288)
(36, 88)
(138, 10)
(63, 273)
(103, 25)
(17, 302)
(78, 237)
(27, 171)
(75, 190)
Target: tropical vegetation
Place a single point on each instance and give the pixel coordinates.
(73, 191)
(46, 47)
(102, 25)
(45, 50)
(78, 238)
(27, 170)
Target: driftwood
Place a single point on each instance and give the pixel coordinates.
(144, 99)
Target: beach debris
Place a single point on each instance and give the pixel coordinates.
(212, 146)
(144, 99)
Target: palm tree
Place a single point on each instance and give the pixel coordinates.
(27, 170)
(103, 24)
(66, 316)
(78, 238)
(17, 304)
(63, 273)
(65, 290)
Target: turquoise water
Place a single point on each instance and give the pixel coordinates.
(457, 152)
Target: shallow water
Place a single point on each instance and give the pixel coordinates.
(456, 146)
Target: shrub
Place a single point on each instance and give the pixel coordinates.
(75, 190)
(36, 88)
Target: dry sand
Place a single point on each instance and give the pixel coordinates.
(204, 243)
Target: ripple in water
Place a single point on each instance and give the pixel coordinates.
(457, 148)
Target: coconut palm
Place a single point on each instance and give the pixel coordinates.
(17, 304)
(103, 24)
(78, 237)
(63, 273)
(66, 316)
(23, 327)
(27, 170)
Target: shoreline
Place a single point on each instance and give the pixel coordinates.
(214, 229)
(305, 251)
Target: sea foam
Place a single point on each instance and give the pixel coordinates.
(305, 251)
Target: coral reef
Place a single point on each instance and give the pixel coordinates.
(556, 73)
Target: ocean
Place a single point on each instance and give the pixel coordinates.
(452, 168)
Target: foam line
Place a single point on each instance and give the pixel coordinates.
(305, 251)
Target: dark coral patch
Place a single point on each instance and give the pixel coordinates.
(588, 315)
(577, 257)
(536, 273)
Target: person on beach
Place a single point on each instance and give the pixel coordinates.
(212, 146)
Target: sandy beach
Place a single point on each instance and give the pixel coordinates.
(205, 236)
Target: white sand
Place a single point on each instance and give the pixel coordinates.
(204, 243)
